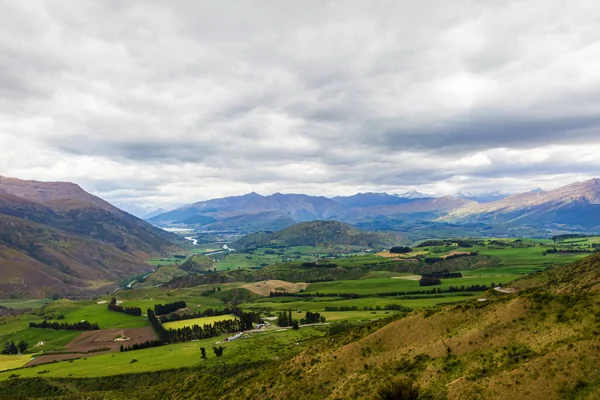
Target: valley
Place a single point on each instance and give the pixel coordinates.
(358, 310)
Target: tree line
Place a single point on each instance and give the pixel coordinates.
(312, 318)
(209, 312)
(243, 322)
(395, 307)
(169, 307)
(11, 348)
(113, 306)
(450, 289)
(77, 326)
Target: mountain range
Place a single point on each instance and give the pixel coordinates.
(573, 207)
(55, 238)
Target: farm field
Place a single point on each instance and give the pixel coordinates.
(383, 285)
(256, 347)
(10, 362)
(24, 303)
(197, 321)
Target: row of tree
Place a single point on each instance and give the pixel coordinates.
(77, 326)
(113, 306)
(169, 308)
(144, 345)
(11, 348)
(209, 312)
(312, 318)
(243, 322)
(400, 250)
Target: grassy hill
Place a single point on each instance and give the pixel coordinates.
(315, 233)
(198, 263)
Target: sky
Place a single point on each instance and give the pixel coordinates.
(159, 103)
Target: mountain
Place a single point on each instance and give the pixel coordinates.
(315, 233)
(413, 194)
(132, 209)
(369, 200)
(154, 213)
(57, 238)
(575, 205)
(486, 196)
(253, 212)
(294, 207)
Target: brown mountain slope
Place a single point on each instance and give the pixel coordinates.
(575, 204)
(69, 241)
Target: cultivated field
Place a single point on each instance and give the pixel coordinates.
(197, 321)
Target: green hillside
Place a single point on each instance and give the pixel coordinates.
(316, 233)
(198, 263)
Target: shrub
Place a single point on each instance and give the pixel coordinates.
(398, 390)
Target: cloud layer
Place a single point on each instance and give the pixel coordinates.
(159, 103)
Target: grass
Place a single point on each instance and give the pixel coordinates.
(11, 362)
(383, 285)
(75, 311)
(260, 346)
(197, 321)
(24, 303)
(319, 304)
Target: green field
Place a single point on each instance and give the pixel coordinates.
(21, 303)
(75, 311)
(197, 321)
(383, 285)
(11, 362)
(258, 346)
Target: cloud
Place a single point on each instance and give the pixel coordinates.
(160, 103)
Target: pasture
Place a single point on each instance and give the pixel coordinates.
(11, 362)
(252, 347)
(24, 303)
(197, 321)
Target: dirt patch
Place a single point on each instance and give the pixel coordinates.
(48, 358)
(401, 256)
(454, 253)
(264, 287)
(94, 340)
(408, 277)
(111, 338)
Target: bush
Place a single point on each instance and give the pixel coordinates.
(400, 250)
(398, 390)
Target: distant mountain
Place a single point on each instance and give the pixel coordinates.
(294, 207)
(253, 212)
(132, 209)
(485, 196)
(370, 200)
(57, 238)
(317, 233)
(413, 194)
(426, 209)
(154, 213)
(574, 205)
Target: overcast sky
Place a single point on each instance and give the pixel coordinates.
(159, 103)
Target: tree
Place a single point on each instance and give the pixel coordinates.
(203, 351)
(295, 325)
(218, 351)
(10, 348)
(400, 250)
(22, 346)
